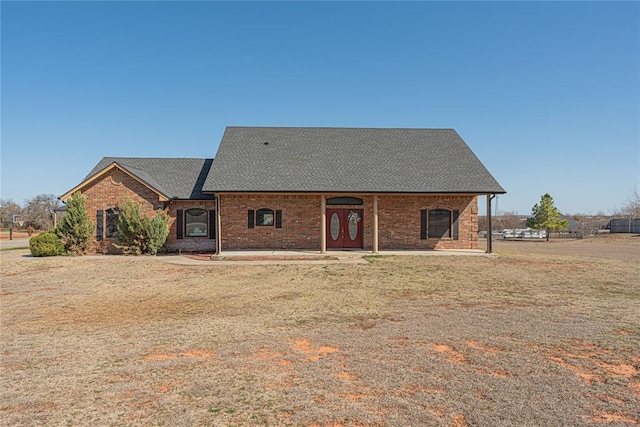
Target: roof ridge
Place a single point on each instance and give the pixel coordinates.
(336, 127)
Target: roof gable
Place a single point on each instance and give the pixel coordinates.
(170, 178)
(264, 159)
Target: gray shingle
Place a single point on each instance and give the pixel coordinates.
(266, 159)
(176, 178)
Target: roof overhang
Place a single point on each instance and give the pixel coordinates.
(379, 193)
(100, 174)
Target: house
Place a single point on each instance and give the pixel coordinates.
(305, 188)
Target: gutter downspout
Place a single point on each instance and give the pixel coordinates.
(489, 225)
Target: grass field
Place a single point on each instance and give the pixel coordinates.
(541, 334)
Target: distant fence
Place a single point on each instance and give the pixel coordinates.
(567, 234)
(625, 225)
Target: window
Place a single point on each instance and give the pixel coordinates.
(344, 201)
(439, 223)
(196, 223)
(264, 217)
(112, 223)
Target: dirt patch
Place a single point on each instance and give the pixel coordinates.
(451, 354)
(480, 346)
(614, 418)
(304, 345)
(619, 370)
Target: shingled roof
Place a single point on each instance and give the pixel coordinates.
(269, 159)
(175, 178)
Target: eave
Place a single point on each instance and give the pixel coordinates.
(113, 166)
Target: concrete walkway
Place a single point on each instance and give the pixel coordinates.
(276, 257)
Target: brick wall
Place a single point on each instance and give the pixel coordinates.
(300, 222)
(106, 193)
(398, 219)
(189, 244)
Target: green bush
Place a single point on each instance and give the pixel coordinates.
(46, 244)
(139, 234)
(75, 229)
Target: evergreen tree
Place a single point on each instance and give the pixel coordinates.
(546, 216)
(141, 234)
(75, 229)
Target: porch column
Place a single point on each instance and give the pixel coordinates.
(219, 231)
(323, 224)
(489, 227)
(375, 224)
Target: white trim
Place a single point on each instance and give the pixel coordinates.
(161, 196)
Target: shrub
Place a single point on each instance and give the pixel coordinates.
(46, 244)
(75, 229)
(140, 234)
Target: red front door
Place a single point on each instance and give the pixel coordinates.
(344, 228)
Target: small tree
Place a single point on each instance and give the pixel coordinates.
(8, 208)
(631, 207)
(141, 234)
(546, 216)
(509, 220)
(75, 229)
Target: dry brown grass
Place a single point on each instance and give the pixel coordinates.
(539, 335)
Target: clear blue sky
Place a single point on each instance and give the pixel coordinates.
(546, 94)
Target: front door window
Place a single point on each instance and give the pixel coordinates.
(334, 226)
(353, 220)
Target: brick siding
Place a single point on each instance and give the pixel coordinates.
(398, 221)
(300, 222)
(189, 244)
(398, 218)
